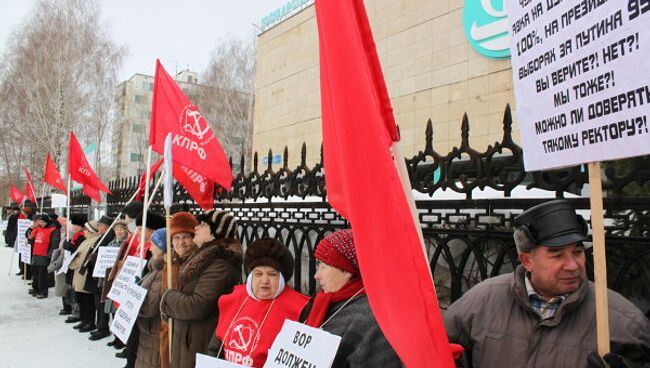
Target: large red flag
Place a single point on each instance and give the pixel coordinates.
(15, 194)
(193, 142)
(52, 175)
(29, 187)
(143, 179)
(363, 184)
(92, 192)
(79, 168)
(200, 188)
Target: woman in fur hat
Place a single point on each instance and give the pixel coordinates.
(213, 270)
(181, 228)
(264, 299)
(84, 297)
(342, 308)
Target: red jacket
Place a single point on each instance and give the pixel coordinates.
(42, 237)
(247, 339)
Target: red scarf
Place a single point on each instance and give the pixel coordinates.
(323, 301)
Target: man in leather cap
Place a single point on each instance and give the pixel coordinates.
(543, 314)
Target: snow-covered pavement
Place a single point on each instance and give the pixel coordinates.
(33, 334)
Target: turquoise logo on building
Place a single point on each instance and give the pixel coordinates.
(486, 27)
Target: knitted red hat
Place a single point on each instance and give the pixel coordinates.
(337, 249)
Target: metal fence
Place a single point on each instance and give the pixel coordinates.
(467, 200)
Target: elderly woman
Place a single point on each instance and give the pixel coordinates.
(121, 235)
(342, 308)
(84, 297)
(264, 302)
(149, 316)
(181, 228)
(213, 270)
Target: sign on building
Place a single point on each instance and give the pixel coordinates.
(486, 26)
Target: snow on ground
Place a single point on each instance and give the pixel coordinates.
(33, 334)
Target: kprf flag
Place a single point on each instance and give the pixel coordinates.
(79, 168)
(52, 175)
(363, 185)
(168, 190)
(29, 187)
(194, 144)
(92, 192)
(200, 188)
(15, 194)
(143, 178)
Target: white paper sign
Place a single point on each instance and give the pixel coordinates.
(58, 200)
(580, 79)
(130, 270)
(206, 361)
(127, 313)
(67, 259)
(24, 248)
(106, 257)
(302, 345)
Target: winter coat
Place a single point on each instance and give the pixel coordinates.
(362, 342)
(212, 271)
(60, 286)
(80, 274)
(149, 318)
(12, 229)
(497, 326)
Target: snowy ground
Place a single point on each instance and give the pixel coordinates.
(32, 334)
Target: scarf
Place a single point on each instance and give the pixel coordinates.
(323, 301)
(249, 287)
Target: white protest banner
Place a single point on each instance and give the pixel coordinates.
(300, 345)
(130, 270)
(581, 86)
(58, 200)
(24, 248)
(67, 259)
(206, 361)
(106, 257)
(127, 313)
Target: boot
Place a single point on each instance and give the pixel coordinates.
(79, 326)
(87, 328)
(72, 319)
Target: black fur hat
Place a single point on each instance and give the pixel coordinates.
(154, 221)
(133, 210)
(269, 252)
(78, 219)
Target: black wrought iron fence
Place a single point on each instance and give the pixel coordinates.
(467, 200)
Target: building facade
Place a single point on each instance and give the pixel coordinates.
(430, 68)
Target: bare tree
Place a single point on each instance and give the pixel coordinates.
(226, 96)
(59, 73)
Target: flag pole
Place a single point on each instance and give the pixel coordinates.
(600, 259)
(42, 195)
(168, 199)
(67, 210)
(169, 277)
(145, 208)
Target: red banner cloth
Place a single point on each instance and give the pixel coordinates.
(193, 142)
(29, 187)
(79, 168)
(143, 179)
(52, 175)
(200, 188)
(15, 194)
(363, 185)
(92, 192)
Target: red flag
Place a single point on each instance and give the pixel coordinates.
(79, 168)
(200, 188)
(194, 143)
(363, 184)
(143, 179)
(52, 175)
(15, 194)
(29, 187)
(92, 192)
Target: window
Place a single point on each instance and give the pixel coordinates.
(135, 157)
(140, 99)
(147, 86)
(146, 115)
(137, 128)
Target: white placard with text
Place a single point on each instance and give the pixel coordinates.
(300, 345)
(130, 270)
(106, 257)
(127, 313)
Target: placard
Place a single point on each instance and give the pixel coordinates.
(580, 80)
(130, 270)
(23, 246)
(67, 259)
(106, 257)
(127, 313)
(206, 361)
(300, 345)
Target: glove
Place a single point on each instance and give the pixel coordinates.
(614, 360)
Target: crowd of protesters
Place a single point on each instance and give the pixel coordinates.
(542, 315)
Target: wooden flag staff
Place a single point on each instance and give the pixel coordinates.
(600, 259)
